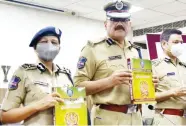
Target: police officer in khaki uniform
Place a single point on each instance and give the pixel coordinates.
(102, 69)
(171, 91)
(31, 84)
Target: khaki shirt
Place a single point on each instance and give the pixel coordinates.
(33, 82)
(101, 59)
(170, 76)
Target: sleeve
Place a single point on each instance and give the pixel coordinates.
(16, 91)
(154, 70)
(86, 66)
(161, 86)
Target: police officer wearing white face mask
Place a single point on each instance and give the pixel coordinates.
(31, 84)
(171, 91)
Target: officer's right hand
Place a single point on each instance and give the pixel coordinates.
(48, 101)
(181, 91)
(120, 77)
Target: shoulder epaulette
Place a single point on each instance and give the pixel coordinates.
(29, 66)
(64, 70)
(94, 42)
(182, 64)
(134, 46)
(67, 72)
(156, 62)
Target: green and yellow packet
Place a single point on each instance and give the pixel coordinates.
(142, 88)
(73, 111)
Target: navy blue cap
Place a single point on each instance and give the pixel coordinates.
(118, 9)
(44, 32)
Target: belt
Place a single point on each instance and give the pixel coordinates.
(116, 108)
(178, 112)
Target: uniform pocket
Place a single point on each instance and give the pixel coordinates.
(43, 87)
(115, 64)
(169, 81)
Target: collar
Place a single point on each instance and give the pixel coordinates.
(127, 44)
(111, 41)
(182, 64)
(168, 60)
(43, 68)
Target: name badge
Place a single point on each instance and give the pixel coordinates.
(41, 83)
(115, 57)
(171, 74)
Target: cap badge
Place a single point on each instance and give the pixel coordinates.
(57, 31)
(119, 5)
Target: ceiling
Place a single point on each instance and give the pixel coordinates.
(154, 10)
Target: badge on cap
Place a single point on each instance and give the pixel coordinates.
(81, 62)
(57, 31)
(119, 5)
(14, 83)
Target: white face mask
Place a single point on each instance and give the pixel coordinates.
(177, 49)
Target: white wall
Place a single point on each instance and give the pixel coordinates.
(18, 25)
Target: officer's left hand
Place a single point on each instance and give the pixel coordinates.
(155, 80)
